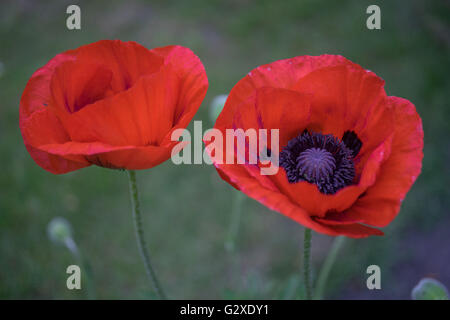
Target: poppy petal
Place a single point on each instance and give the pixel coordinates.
(50, 130)
(74, 86)
(269, 108)
(356, 230)
(128, 61)
(381, 203)
(277, 201)
(35, 116)
(193, 84)
(279, 74)
(348, 97)
(140, 116)
(36, 95)
(117, 157)
(308, 196)
(139, 158)
(272, 108)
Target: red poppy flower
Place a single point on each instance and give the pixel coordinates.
(348, 153)
(110, 103)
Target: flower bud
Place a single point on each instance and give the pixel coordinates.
(216, 106)
(429, 289)
(59, 230)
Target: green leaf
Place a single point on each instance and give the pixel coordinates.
(429, 289)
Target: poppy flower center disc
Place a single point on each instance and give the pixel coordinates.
(316, 164)
(321, 159)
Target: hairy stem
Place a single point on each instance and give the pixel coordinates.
(140, 235)
(307, 263)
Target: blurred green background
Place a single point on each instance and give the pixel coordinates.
(187, 209)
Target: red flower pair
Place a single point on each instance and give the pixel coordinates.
(349, 153)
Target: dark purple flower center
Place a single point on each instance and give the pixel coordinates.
(321, 159)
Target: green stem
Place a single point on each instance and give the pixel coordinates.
(230, 243)
(326, 267)
(140, 235)
(307, 263)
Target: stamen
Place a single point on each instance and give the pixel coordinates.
(315, 164)
(321, 159)
(352, 142)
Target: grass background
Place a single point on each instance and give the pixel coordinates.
(187, 208)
